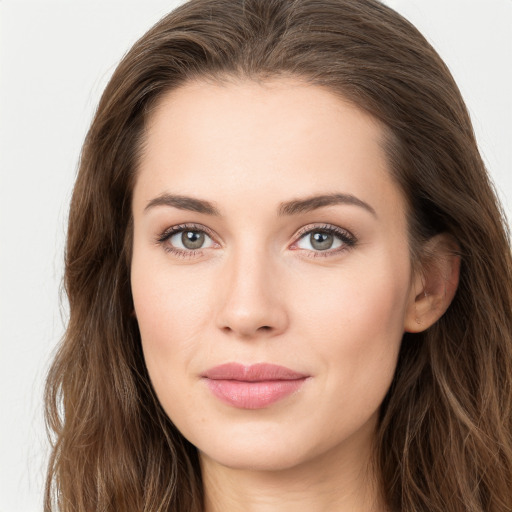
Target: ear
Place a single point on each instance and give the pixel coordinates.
(434, 285)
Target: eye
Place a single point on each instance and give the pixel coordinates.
(185, 240)
(190, 239)
(328, 239)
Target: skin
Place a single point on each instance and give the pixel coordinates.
(259, 291)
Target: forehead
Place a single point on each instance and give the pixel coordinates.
(255, 139)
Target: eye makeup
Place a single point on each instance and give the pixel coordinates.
(324, 239)
(164, 239)
(340, 238)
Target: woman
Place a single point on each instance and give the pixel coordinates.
(289, 277)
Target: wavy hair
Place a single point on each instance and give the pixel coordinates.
(444, 439)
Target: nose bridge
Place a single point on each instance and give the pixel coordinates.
(253, 302)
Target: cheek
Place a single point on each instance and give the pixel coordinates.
(357, 323)
(356, 298)
(171, 314)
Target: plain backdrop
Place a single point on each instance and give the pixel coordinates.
(56, 58)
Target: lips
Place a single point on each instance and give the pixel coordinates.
(252, 387)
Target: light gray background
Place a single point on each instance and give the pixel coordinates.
(56, 57)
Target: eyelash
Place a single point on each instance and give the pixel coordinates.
(348, 239)
(168, 233)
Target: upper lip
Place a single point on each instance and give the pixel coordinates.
(252, 373)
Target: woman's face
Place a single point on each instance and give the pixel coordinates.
(271, 271)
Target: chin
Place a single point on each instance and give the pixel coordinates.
(256, 458)
(275, 450)
(285, 445)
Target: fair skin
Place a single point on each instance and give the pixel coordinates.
(325, 289)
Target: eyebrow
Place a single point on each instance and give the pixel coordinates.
(184, 203)
(312, 203)
(293, 207)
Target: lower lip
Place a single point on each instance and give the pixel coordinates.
(253, 395)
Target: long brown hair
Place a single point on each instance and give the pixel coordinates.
(445, 431)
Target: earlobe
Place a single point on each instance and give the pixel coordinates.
(434, 287)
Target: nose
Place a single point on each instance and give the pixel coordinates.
(252, 301)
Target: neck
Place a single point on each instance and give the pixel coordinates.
(333, 482)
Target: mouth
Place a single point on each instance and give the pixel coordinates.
(252, 387)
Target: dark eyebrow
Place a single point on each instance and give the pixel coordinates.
(312, 203)
(183, 203)
(293, 207)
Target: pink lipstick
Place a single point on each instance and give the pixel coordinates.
(252, 387)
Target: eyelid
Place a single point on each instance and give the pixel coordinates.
(323, 227)
(168, 233)
(348, 239)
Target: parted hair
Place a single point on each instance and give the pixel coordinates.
(444, 437)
